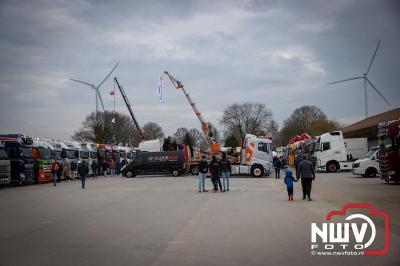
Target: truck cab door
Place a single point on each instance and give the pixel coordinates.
(262, 155)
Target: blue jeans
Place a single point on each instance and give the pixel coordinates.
(277, 172)
(55, 178)
(202, 181)
(83, 179)
(225, 180)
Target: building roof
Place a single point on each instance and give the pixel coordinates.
(373, 121)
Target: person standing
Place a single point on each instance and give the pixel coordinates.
(297, 161)
(54, 172)
(277, 166)
(225, 170)
(112, 167)
(307, 174)
(83, 171)
(203, 170)
(94, 167)
(215, 169)
(289, 183)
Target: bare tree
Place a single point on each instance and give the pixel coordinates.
(108, 129)
(196, 136)
(179, 135)
(240, 119)
(152, 130)
(273, 128)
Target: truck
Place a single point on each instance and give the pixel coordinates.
(356, 148)
(19, 149)
(5, 166)
(255, 158)
(389, 150)
(92, 149)
(368, 166)
(72, 154)
(42, 161)
(104, 152)
(155, 162)
(61, 153)
(330, 153)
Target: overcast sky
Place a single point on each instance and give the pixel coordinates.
(280, 53)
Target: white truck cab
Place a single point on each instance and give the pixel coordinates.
(256, 157)
(369, 166)
(331, 152)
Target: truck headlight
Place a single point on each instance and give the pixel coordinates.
(355, 165)
(21, 175)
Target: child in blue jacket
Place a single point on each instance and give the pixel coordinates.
(289, 179)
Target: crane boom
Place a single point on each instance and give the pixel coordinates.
(129, 108)
(206, 127)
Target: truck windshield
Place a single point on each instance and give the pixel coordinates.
(371, 152)
(3, 154)
(386, 143)
(44, 153)
(129, 155)
(57, 155)
(84, 154)
(122, 154)
(93, 154)
(26, 152)
(71, 154)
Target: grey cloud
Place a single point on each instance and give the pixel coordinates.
(281, 53)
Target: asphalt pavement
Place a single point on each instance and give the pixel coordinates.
(163, 220)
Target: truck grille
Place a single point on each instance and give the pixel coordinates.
(4, 168)
(46, 167)
(28, 174)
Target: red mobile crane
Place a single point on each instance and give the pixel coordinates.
(129, 108)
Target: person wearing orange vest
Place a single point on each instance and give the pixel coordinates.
(54, 171)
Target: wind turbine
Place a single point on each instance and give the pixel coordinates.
(96, 89)
(366, 80)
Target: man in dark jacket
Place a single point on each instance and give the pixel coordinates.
(203, 170)
(307, 174)
(215, 168)
(277, 166)
(297, 161)
(225, 171)
(83, 171)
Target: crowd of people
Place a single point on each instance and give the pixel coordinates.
(111, 167)
(217, 168)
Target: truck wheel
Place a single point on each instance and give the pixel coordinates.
(331, 168)
(175, 172)
(370, 172)
(194, 170)
(257, 171)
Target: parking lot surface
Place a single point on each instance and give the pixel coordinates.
(163, 220)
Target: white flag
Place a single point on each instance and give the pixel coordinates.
(160, 88)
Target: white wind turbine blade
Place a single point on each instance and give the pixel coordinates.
(372, 85)
(91, 85)
(343, 80)
(101, 100)
(101, 83)
(373, 58)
